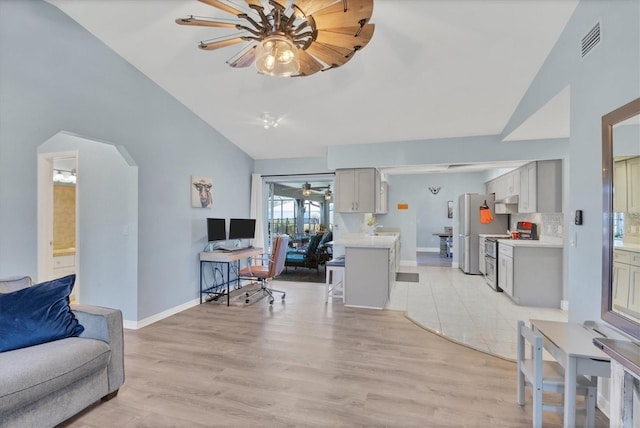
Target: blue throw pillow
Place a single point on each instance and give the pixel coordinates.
(37, 314)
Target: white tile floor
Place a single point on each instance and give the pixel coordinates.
(465, 309)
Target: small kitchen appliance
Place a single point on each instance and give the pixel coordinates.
(527, 230)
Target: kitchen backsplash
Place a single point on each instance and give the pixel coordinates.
(550, 225)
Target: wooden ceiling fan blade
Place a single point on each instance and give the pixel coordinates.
(353, 16)
(199, 22)
(311, 6)
(308, 64)
(223, 6)
(353, 31)
(329, 55)
(217, 44)
(346, 40)
(257, 3)
(358, 7)
(245, 59)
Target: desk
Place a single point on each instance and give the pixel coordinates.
(227, 259)
(571, 344)
(443, 243)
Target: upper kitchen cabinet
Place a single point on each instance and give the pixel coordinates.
(548, 186)
(620, 191)
(359, 191)
(534, 187)
(626, 195)
(506, 186)
(633, 190)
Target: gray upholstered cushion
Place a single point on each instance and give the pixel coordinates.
(31, 373)
(14, 283)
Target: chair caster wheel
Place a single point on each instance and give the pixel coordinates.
(271, 302)
(246, 301)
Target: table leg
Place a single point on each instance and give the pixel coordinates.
(570, 378)
(200, 281)
(228, 281)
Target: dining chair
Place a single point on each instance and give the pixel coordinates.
(267, 267)
(544, 376)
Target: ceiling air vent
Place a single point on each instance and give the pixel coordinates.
(590, 40)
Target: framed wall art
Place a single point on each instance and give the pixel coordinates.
(201, 194)
(450, 209)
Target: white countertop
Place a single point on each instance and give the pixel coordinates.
(365, 241)
(619, 245)
(494, 235)
(530, 243)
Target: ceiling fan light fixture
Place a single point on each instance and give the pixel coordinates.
(277, 56)
(306, 189)
(328, 195)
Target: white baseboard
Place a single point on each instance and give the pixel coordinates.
(455, 265)
(428, 249)
(134, 325)
(564, 305)
(408, 263)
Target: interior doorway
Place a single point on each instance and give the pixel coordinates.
(57, 214)
(301, 206)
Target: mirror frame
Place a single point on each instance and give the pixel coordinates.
(608, 121)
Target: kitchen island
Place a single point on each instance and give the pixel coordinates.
(371, 263)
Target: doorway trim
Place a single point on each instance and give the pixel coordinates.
(45, 215)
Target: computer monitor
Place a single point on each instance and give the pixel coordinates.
(242, 228)
(216, 229)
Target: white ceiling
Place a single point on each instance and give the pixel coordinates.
(434, 68)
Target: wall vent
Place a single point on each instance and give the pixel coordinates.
(590, 40)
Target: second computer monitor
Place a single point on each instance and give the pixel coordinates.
(242, 228)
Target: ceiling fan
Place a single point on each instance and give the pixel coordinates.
(291, 37)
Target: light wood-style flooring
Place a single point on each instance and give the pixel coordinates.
(304, 363)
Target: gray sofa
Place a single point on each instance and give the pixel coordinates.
(43, 385)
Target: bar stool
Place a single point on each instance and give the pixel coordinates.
(335, 278)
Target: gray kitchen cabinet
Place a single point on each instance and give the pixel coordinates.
(626, 195)
(505, 269)
(633, 190)
(620, 190)
(369, 272)
(481, 265)
(549, 186)
(541, 187)
(505, 186)
(358, 191)
(538, 186)
(626, 281)
(531, 275)
(528, 188)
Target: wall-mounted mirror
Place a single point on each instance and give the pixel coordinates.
(621, 218)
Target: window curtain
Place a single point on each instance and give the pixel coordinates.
(257, 209)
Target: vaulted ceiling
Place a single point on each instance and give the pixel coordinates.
(433, 69)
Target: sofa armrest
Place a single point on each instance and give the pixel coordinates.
(105, 324)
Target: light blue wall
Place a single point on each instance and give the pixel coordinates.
(487, 148)
(427, 213)
(54, 76)
(606, 79)
(107, 218)
(291, 166)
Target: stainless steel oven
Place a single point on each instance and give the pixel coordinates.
(491, 263)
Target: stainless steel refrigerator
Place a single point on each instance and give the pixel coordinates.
(469, 228)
